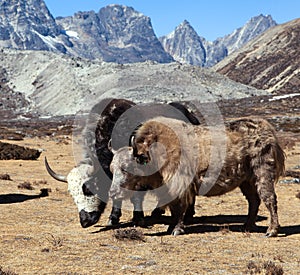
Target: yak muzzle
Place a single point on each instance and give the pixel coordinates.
(88, 219)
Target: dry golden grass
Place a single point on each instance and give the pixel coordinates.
(43, 236)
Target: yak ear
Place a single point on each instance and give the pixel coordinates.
(110, 147)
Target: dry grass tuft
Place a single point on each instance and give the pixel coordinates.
(26, 185)
(5, 177)
(6, 272)
(129, 234)
(268, 268)
(253, 268)
(272, 269)
(40, 182)
(225, 229)
(55, 242)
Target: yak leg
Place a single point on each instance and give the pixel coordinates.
(250, 192)
(163, 199)
(157, 212)
(116, 213)
(190, 212)
(138, 214)
(188, 217)
(177, 209)
(265, 181)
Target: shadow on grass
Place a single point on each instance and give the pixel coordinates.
(206, 224)
(17, 198)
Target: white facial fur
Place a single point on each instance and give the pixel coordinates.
(76, 178)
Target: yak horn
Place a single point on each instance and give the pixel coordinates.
(132, 141)
(110, 147)
(53, 174)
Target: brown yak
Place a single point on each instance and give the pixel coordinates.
(177, 161)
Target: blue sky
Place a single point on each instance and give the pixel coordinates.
(210, 18)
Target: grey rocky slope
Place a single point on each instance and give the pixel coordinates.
(186, 46)
(58, 84)
(11, 103)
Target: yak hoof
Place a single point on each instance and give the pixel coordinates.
(272, 233)
(250, 227)
(113, 222)
(177, 231)
(138, 218)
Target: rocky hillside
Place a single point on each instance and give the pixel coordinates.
(270, 62)
(186, 46)
(253, 28)
(11, 103)
(58, 84)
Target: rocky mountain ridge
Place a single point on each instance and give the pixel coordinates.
(269, 62)
(29, 25)
(115, 34)
(186, 46)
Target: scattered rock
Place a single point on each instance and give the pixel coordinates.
(290, 181)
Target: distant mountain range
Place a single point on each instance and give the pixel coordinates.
(186, 46)
(115, 34)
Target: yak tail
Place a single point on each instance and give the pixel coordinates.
(279, 157)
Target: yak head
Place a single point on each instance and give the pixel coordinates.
(129, 175)
(90, 207)
(125, 173)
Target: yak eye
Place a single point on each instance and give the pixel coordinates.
(123, 170)
(86, 191)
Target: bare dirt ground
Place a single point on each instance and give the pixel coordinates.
(43, 235)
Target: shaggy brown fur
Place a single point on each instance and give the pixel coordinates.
(181, 154)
